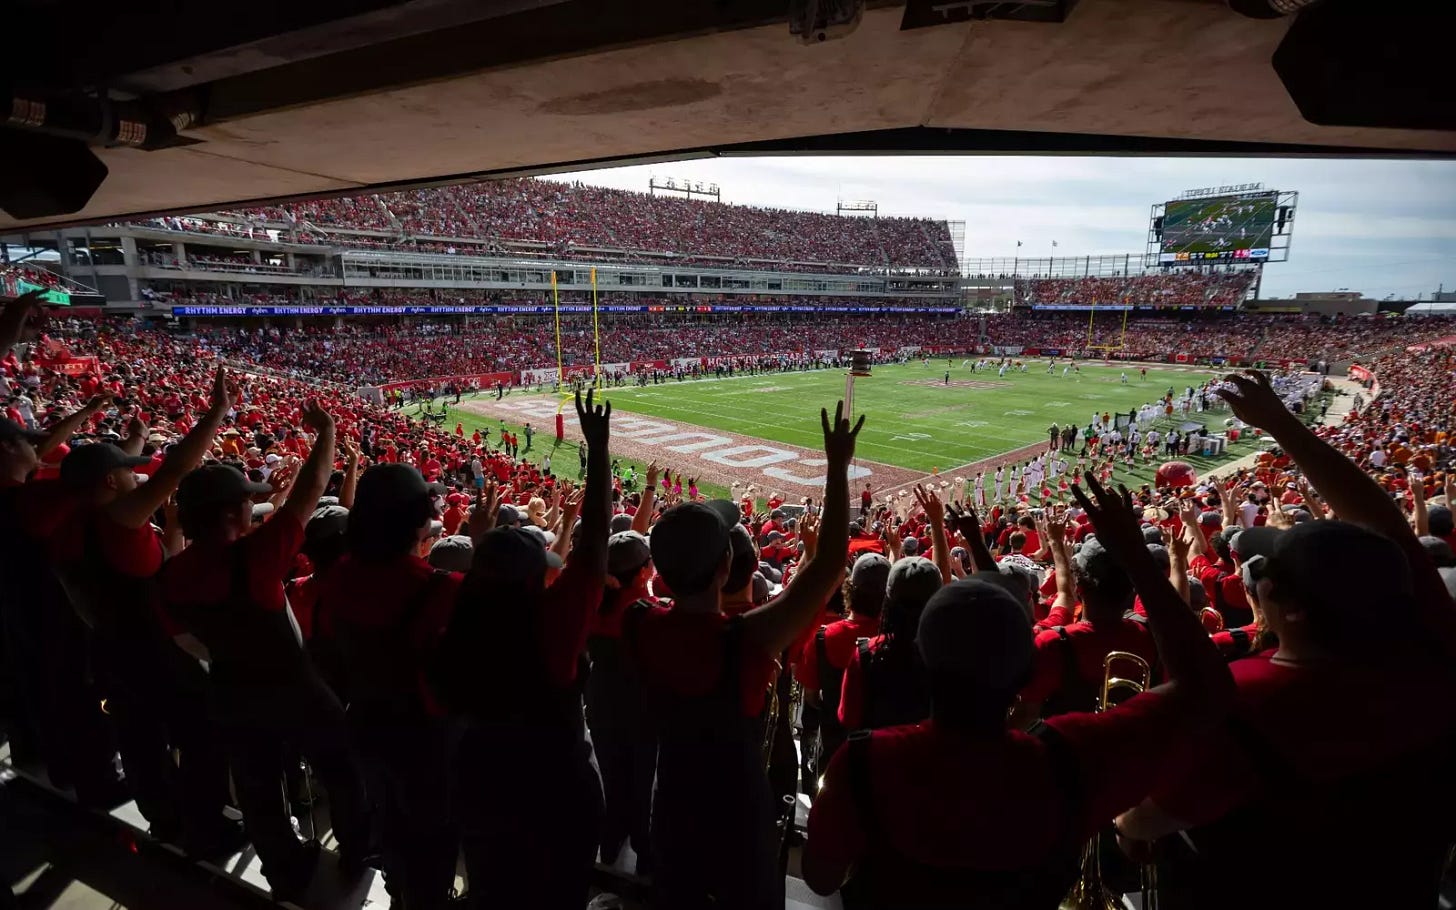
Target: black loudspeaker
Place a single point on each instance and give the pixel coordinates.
(1282, 218)
(859, 363)
(1158, 227)
(45, 176)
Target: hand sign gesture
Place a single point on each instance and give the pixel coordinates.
(839, 438)
(222, 396)
(595, 421)
(963, 519)
(1113, 520)
(1254, 401)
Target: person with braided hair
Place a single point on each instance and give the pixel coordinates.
(884, 684)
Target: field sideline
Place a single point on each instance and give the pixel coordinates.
(914, 420)
(917, 424)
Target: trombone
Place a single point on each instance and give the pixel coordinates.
(1089, 892)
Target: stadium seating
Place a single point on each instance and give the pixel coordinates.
(567, 219)
(1172, 288)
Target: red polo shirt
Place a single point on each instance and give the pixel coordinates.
(839, 646)
(948, 799)
(201, 573)
(1091, 645)
(682, 651)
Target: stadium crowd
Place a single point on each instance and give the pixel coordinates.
(1170, 288)
(434, 626)
(561, 218)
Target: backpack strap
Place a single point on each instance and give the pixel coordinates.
(1066, 777)
(1241, 641)
(1071, 673)
(821, 656)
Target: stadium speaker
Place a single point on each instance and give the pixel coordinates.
(1158, 228)
(45, 176)
(1281, 217)
(859, 363)
(1344, 65)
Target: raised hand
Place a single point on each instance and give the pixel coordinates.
(652, 472)
(839, 438)
(482, 517)
(963, 520)
(595, 420)
(314, 417)
(1254, 401)
(1278, 518)
(1113, 520)
(1180, 544)
(1055, 528)
(570, 508)
(929, 500)
(222, 394)
(809, 533)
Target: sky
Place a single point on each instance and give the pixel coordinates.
(1379, 227)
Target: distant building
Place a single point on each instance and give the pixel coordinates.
(1321, 303)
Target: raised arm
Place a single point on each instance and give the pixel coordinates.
(1196, 674)
(313, 475)
(776, 624)
(134, 509)
(935, 517)
(63, 429)
(1066, 599)
(136, 436)
(1352, 494)
(643, 519)
(351, 475)
(596, 502)
(965, 520)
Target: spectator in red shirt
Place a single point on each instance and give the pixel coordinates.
(1068, 667)
(884, 684)
(625, 745)
(381, 611)
(820, 669)
(710, 675)
(527, 798)
(1325, 743)
(225, 592)
(961, 810)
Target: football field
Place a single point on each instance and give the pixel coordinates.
(764, 430)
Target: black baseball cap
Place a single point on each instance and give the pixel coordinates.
(10, 431)
(975, 630)
(513, 553)
(214, 485)
(1255, 541)
(688, 543)
(86, 465)
(395, 484)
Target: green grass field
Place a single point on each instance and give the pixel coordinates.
(914, 420)
(910, 424)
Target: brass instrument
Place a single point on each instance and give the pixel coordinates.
(1089, 893)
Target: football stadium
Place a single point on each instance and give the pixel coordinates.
(737, 456)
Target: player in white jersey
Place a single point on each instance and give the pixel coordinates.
(1001, 373)
(1000, 478)
(980, 488)
(1065, 370)
(1124, 378)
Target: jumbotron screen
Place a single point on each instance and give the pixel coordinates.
(1220, 228)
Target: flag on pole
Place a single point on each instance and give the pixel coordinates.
(1054, 243)
(1018, 243)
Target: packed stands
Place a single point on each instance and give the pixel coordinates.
(566, 219)
(1169, 288)
(1316, 664)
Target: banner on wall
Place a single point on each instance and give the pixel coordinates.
(1360, 374)
(477, 380)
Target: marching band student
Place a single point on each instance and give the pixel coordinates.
(511, 665)
(960, 809)
(225, 593)
(380, 609)
(1327, 769)
(713, 815)
(884, 683)
(820, 670)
